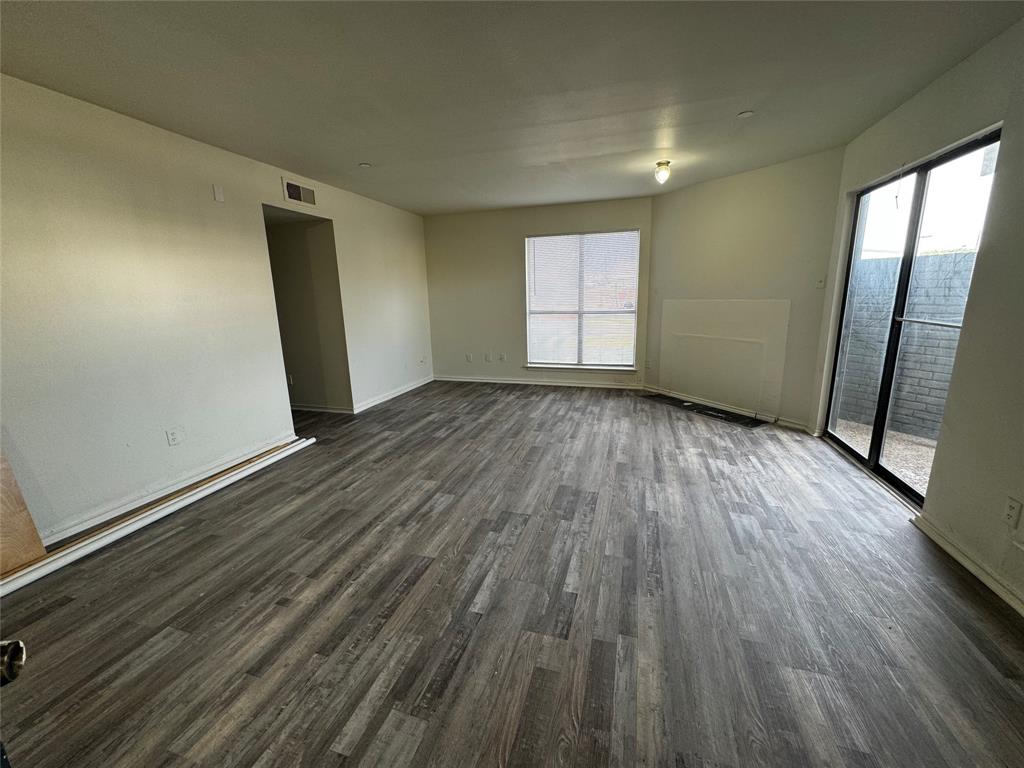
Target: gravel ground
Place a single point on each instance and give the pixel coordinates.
(908, 456)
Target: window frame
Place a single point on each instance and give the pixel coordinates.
(580, 313)
(872, 462)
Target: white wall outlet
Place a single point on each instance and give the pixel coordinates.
(502, 357)
(488, 357)
(218, 193)
(175, 435)
(469, 357)
(819, 284)
(1012, 512)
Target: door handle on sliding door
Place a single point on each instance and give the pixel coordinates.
(936, 323)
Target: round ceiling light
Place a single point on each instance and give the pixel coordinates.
(745, 114)
(366, 165)
(662, 171)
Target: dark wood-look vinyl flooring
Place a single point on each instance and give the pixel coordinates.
(476, 574)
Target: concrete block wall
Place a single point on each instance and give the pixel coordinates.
(939, 287)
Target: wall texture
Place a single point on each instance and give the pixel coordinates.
(765, 234)
(133, 302)
(476, 264)
(304, 263)
(979, 460)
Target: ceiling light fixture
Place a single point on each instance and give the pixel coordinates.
(745, 114)
(662, 171)
(366, 165)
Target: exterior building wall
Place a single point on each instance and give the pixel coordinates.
(939, 288)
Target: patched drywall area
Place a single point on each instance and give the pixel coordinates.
(741, 243)
(729, 353)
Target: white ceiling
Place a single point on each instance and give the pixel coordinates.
(465, 106)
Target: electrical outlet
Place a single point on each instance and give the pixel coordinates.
(469, 357)
(175, 435)
(1012, 512)
(488, 357)
(819, 284)
(502, 357)
(218, 193)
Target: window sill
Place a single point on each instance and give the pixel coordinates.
(569, 367)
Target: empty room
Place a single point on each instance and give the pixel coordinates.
(512, 384)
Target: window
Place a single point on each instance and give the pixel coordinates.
(912, 253)
(581, 296)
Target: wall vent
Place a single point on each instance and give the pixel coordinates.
(297, 193)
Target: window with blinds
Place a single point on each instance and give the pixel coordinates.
(581, 296)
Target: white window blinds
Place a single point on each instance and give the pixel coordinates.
(581, 296)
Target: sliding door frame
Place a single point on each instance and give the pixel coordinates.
(872, 462)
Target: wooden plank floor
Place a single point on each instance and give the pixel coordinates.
(478, 574)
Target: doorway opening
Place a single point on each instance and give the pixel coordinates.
(912, 253)
(307, 292)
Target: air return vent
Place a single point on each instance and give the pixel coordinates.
(297, 193)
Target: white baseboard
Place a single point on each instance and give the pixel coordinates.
(320, 408)
(539, 382)
(794, 424)
(378, 399)
(769, 418)
(712, 403)
(127, 504)
(635, 386)
(987, 577)
(71, 553)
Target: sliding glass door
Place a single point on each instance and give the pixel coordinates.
(912, 255)
(879, 242)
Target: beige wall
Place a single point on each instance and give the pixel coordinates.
(383, 276)
(476, 265)
(304, 265)
(133, 302)
(766, 234)
(761, 235)
(980, 456)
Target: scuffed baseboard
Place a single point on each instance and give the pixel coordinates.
(100, 515)
(76, 551)
(712, 403)
(989, 579)
(770, 418)
(790, 423)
